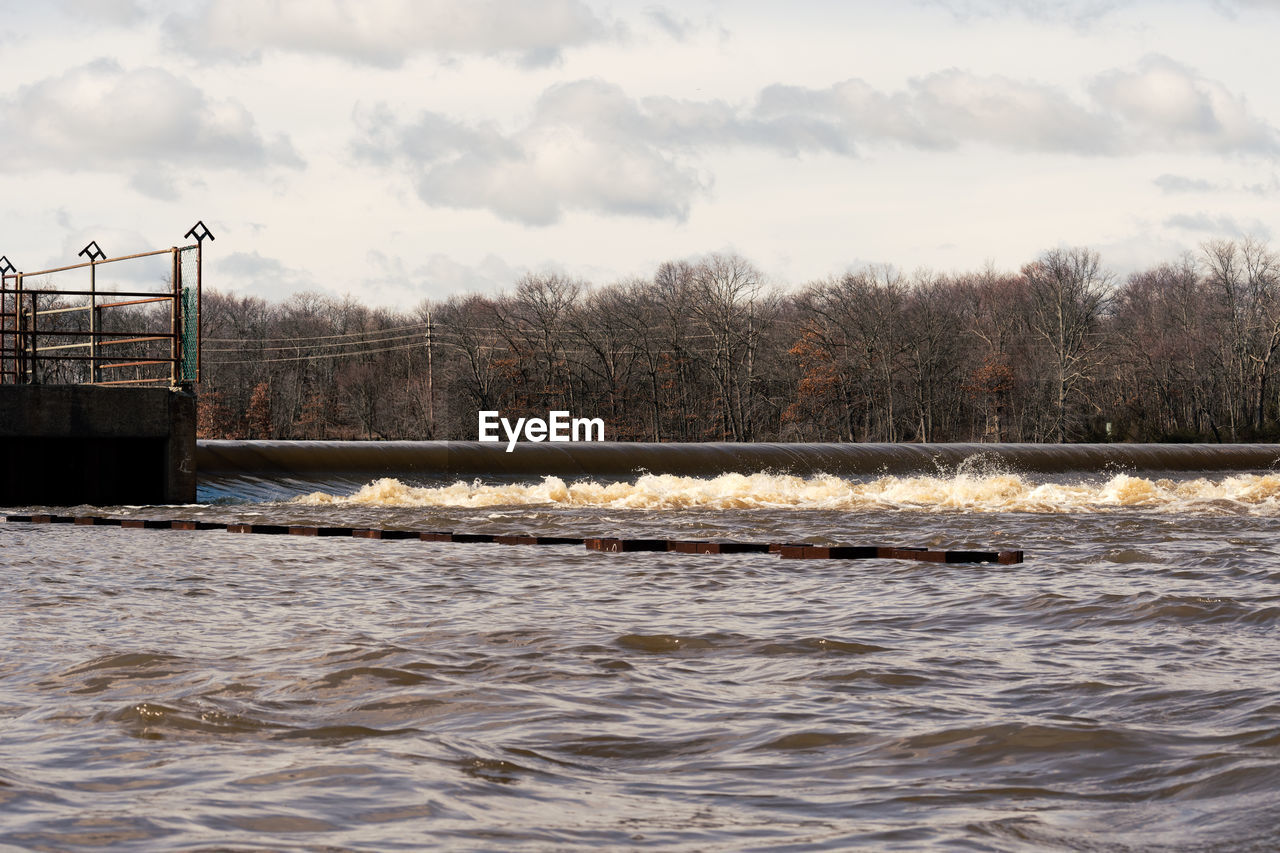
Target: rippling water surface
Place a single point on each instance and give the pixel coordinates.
(200, 689)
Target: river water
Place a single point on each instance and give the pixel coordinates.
(201, 690)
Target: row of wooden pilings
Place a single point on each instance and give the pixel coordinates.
(787, 551)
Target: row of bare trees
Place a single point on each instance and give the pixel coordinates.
(707, 351)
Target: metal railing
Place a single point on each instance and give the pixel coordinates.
(113, 335)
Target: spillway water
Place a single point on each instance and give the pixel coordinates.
(279, 468)
(193, 690)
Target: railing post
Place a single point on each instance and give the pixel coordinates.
(20, 339)
(30, 320)
(8, 331)
(199, 232)
(175, 319)
(22, 346)
(97, 323)
(199, 304)
(35, 338)
(93, 322)
(94, 254)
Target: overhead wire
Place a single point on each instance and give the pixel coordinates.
(315, 346)
(437, 328)
(318, 356)
(318, 337)
(354, 353)
(357, 344)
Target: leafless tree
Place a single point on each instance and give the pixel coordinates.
(1069, 292)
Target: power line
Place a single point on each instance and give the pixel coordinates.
(318, 337)
(322, 355)
(311, 346)
(438, 329)
(351, 353)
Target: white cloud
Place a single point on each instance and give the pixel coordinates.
(386, 32)
(1182, 184)
(563, 168)
(158, 183)
(1009, 114)
(1231, 7)
(587, 146)
(946, 109)
(1264, 188)
(1159, 106)
(1221, 225)
(391, 280)
(251, 273)
(1074, 11)
(97, 12)
(1081, 14)
(590, 146)
(101, 117)
(1166, 104)
(665, 20)
(1172, 184)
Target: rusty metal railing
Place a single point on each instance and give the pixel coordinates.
(70, 335)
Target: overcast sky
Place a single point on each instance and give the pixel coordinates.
(400, 149)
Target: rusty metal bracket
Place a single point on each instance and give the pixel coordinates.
(93, 251)
(199, 231)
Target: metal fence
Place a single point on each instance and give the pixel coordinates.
(130, 320)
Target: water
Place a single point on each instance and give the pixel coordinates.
(175, 690)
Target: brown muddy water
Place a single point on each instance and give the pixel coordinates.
(201, 690)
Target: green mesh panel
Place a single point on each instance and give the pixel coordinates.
(190, 315)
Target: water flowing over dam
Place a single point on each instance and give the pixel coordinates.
(296, 465)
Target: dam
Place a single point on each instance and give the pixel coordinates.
(281, 470)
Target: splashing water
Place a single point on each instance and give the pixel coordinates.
(970, 490)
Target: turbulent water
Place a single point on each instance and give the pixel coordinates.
(1245, 493)
(200, 690)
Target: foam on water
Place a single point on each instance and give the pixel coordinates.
(977, 491)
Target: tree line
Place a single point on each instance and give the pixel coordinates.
(707, 350)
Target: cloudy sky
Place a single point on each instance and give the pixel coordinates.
(400, 149)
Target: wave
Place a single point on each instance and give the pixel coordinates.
(974, 492)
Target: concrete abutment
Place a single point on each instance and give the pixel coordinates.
(65, 445)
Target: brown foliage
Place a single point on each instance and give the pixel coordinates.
(214, 419)
(257, 417)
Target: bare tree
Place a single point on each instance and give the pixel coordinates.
(726, 289)
(1069, 293)
(1244, 279)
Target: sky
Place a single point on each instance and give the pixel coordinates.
(399, 150)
